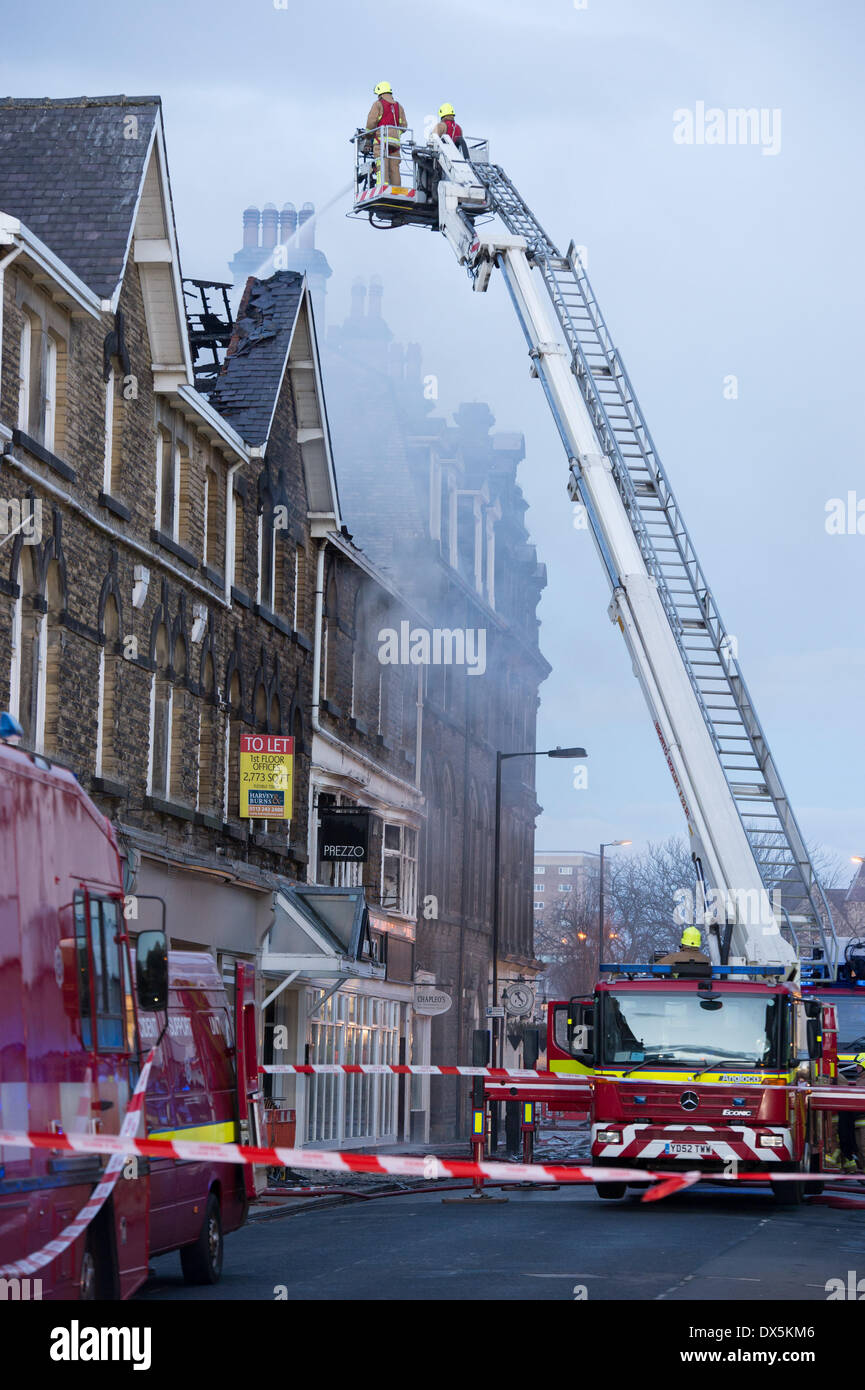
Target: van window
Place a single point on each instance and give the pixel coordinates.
(103, 976)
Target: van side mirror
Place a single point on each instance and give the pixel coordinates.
(581, 1030)
(151, 970)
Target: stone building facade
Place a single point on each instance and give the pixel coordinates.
(182, 577)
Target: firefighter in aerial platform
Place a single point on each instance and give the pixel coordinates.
(387, 118)
(689, 952)
(447, 125)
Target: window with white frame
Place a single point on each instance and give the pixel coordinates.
(565, 870)
(539, 907)
(564, 888)
(540, 887)
(399, 869)
(540, 869)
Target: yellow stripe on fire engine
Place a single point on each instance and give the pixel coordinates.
(577, 1068)
(222, 1133)
(733, 1079)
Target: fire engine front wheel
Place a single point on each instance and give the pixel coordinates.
(611, 1190)
(202, 1262)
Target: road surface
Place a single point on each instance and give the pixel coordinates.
(546, 1246)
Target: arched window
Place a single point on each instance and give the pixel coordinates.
(330, 640)
(239, 524)
(208, 780)
(49, 640)
(299, 622)
(179, 722)
(274, 717)
(26, 621)
(160, 719)
(233, 730)
(109, 701)
(261, 708)
(450, 860)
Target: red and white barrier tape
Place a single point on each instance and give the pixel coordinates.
(428, 1167)
(101, 1191)
(403, 1069)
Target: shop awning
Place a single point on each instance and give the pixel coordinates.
(318, 932)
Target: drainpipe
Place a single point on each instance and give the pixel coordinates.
(7, 260)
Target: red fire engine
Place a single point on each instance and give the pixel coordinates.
(709, 1072)
(73, 1036)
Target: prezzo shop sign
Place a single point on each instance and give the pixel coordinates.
(344, 835)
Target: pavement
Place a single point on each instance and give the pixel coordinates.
(324, 1188)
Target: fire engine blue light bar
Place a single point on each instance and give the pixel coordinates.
(633, 968)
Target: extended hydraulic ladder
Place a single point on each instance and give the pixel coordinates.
(751, 797)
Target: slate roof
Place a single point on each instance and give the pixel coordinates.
(247, 386)
(71, 175)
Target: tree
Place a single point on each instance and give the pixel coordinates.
(567, 938)
(642, 894)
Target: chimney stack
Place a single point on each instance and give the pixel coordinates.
(251, 219)
(269, 221)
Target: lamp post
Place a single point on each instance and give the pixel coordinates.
(604, 845)
(498, 1033)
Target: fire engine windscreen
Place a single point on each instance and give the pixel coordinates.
(851, 1023)
(693, 1028)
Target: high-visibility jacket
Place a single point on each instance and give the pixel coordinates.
(387, 113)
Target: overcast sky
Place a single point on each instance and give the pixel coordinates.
(709, 260)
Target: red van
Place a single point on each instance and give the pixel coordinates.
(73, 1036)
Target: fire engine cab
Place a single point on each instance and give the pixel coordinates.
(709, 1072)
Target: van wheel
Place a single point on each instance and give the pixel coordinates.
(202, 1262)
(95, 1278)
(611, 1190)
(88, 1279)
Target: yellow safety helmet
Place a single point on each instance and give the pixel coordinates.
(446, 110)
(691, 937)
(381, 87)
(860, 1059)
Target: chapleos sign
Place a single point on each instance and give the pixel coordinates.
(266, 776)
(429, 1000)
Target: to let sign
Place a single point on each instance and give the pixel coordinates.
(266, 776)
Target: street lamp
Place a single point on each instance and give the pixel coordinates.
(605, 845)
(498, 1033)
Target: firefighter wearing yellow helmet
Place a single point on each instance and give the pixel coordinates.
(689, 952)
(387, 118)
(447, 125)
